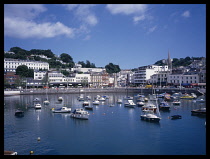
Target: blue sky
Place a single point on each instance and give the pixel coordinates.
(129, 35)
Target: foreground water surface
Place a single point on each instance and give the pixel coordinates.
(116, 130)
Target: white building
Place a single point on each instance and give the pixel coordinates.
(78, 67)
(10, 65)
(144, 73)
(183, 78)
(39, 75)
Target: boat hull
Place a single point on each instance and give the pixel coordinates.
(80, 116)
(150, 119)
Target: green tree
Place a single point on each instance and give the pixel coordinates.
(111, 68)
(66, 58)
(22, 71)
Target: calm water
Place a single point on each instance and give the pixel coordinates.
(114, 130)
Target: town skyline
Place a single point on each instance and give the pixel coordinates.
(126, 35)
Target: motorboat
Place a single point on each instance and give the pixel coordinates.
(10, 153)
(160, 95)
(201, 99)
(111, 105)
(146, 99)
(176, 95)
(201, 111)
(80, 113)
(167, 97)
(119, 101)
(149, 106)
(176, 117)
(36, 100)
(194, 95)
(187, 96)
(128, 98)
(88, 107)
(164, 105)
(96, 102)
(141, 99)
(129, 103)
(60, 98)
(86, 103)
(19, 113)
(150, 116)
(38, 106)
(88, 98)
(46, 102)
(176, 102)
(153, 97)
(81, 97)
(61, 110)
(101, 99)
(140, 103)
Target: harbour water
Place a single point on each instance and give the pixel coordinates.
(115, 130)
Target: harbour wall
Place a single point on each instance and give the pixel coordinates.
(104, 90)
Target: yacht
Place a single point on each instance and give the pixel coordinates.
(164, 105)
(96, 102)
(60, 98)
(140, 103)
(37, 106)
(150, 116)
(85, 103)
(61, 110)
(129, 103)
(19, 113)
(80, 113)
(119, 101)
(150, 107)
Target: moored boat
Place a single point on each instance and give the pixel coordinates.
(119, 101)
(129, 103)
(38, 106)
(201, 111)
(19, 113)
(150, 116)
(80, 113)
(96, 102)
(150, 107)
(164, 105)
(187, 96)
(61, 110)
(176, 117)
(86, 103)
(176, 102)
(60, 98)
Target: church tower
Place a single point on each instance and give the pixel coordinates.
(169, 62)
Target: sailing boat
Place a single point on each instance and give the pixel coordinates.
(127, 97)
(46, 102)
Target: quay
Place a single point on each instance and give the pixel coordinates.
(104, 90)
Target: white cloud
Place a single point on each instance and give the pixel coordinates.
(152, 29)
(186, 14)
(19, 28)
(136, 19)
(83, 13)
(19, 22)
(127, 9)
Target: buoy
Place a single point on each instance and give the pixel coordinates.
(38, 139)
(31, 152)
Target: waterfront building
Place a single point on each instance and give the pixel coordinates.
(11, 77)
(96, 79)
(78, 68)
(144, 73)
(10, 65)
(39, 75)
(159, 78)
(184, 79)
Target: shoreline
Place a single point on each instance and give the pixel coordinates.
(104, 90)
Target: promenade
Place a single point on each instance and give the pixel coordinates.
(103, 90)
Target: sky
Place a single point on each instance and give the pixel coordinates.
(128, 35)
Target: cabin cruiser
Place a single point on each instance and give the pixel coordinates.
(150, 116)
(119, 101)
(19, 113)
(201, 111)
(176, 102)
(129, 103)
(96, 102)
(149, 106)
(60, 98)
(81, 97)
(86, 103)
(37, 106)
(80, 113)
(140, 103)
(164, 105)
(61, 110)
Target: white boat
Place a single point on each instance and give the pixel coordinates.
(119, 101)
(88, 107)
(38, 106)
(96, 102)
(150, 116)
(111, 105)
(36, 100)
(61, 110)
(149, 106)
(88, 98)
(176, 102)
(46, 102)
(80, 113)
(81, 97)
(60, 98)
(101, 99)
(140, 103)
(85, 103)
(129, 103)
(153, 97)
(128, 98)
